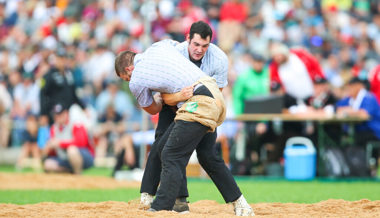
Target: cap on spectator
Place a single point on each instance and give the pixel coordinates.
(257, 57)
(58, 108)
(355, 80)
(320, 80)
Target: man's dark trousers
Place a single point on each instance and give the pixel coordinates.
(181, 139)
(152, 172)
(207, 156)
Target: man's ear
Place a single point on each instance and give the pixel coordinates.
(188, 38)
(131, 68)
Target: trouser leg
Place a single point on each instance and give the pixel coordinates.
(215, 167)
(175, 155)
(151, 177)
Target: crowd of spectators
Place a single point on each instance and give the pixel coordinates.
(79, 40)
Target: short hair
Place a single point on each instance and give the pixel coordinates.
(124, 59)
(201, 28)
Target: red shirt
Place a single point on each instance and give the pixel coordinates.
(374, 79)
(233, 11)
(75, 135)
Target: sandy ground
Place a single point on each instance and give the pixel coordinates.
(204, 208)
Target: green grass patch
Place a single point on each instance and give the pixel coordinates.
(287, 191)
(254, 191)
(61, 196)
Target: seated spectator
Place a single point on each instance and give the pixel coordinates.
(30, 146)
(322, 103)
(295, 70)
(68, 149)
(323, 100)
(110, 134)
(361, 103)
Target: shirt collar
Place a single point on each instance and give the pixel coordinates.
(356, 102)
(137, 58)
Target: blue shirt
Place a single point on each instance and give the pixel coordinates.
(369, 104)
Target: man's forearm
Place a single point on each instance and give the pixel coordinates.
(174, 98)
(154, 108)
(171, 99)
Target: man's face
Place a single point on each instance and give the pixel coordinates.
(320, 88)
(279, 58)
(61, 118)
(353, 89)
(198, 46)
(257, 65)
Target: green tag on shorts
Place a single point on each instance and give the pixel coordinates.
(192, 107)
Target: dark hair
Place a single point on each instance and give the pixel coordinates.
(201, 28)
(123, 60)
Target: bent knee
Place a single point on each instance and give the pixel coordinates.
(50, 165)
(72, 150)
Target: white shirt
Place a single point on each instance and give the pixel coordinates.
(295, 78)
(355, 103)
(214, 62)
(161, 68)
(28, 95)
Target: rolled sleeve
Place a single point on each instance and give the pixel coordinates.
(143, 94)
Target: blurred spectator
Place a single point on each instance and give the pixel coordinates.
(26, 97)
(323, 100)
(212, 8)
(121, 102)
(332, 70)
(254, 82)
(295, 70)
(361, 103)
(30, 146)
(111, 134)
(68, 149)
(322, 103)
(98, 69)
(227, 132)
(58, 85)
(232, 15)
